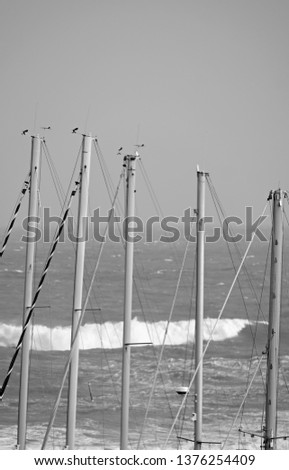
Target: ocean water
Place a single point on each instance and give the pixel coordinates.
(229, 364)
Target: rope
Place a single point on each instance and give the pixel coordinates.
(163, 344)
(62, 197)
(66, 369)
(258, 316)
(215, 195)
(243, 401)
(211, 335)
(18, 205)
(44, 272)
(151, 190)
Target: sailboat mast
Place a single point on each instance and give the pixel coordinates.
(274, 321)
(201, 180)
(78, 287)
(28, 290)
(130, 162)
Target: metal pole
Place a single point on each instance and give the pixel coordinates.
(28, 290)
(274, 321)
(130, 162)
(78, 288)
(201, 178)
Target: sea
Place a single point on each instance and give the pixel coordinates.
(233, 416)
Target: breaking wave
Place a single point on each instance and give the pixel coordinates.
(109, 335)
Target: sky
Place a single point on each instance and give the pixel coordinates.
(197, 81)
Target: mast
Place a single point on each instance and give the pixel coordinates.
(130, 162)
(28, 290)
(201, 180)
(274, 321)
(78, 287)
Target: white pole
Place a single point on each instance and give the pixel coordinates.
(130, 162)
(274, 320)
(201, 178)
(78, 288)
(28, 291)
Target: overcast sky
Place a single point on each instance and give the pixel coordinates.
(196, 81)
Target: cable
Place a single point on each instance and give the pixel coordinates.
(211, 335)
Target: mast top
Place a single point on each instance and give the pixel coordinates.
(201, 172)
(132, 157)
(277, 194)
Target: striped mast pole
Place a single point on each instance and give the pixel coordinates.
(274, 320)
(130, 163)
(14, 216)
(36, 295)
(78, 288)
(28, 290)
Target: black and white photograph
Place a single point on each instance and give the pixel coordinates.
(144, 231)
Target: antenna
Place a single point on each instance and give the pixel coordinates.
(35, 116)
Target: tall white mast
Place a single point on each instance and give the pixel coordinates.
(28, 290)
(201, 179)
(78, 287)
(274, 321)
(130, 162)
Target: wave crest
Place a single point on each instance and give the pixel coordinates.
(109, 335)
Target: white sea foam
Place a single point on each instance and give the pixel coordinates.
(109, 335)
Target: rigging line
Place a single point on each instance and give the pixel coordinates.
(31, 309)
(239, 254)
(233, 263)
(156, 204)
(149, 334)
(253, 333)
(258, 315)
(163, 344)
(107, 179)
(14, 216)
(100, 154)
(190, 313)
(93, 294)
(284, 378)
(151, 189)
(72, 176)
(53, 170)
(55, 178)
(109, 184)
(104, 169)
(187, 359)
(57, 182)
(212, 189)
(243, 401)
(212, 332)
(66, 369)
(286, 216)
(217, 201)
